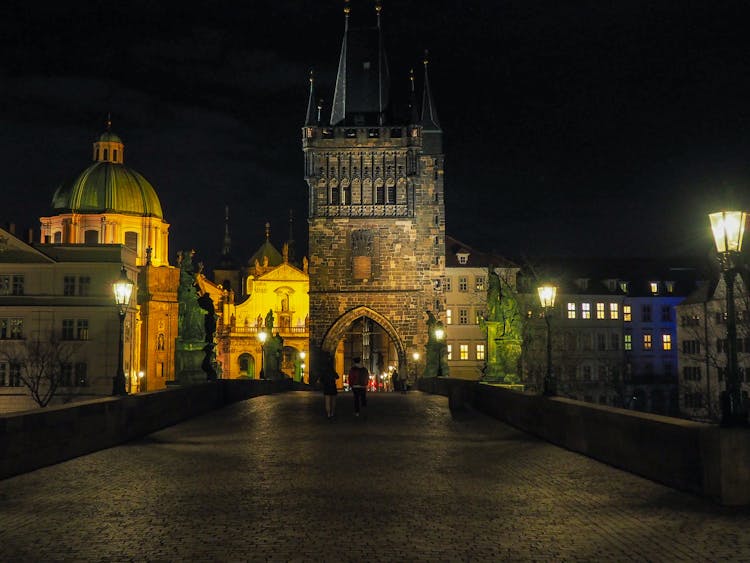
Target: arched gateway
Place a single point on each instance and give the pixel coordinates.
(339, 329)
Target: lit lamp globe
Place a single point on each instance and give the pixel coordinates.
(262, 336)
(547, 294)
(728, 228)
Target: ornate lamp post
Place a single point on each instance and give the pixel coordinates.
(728, 229)
(547, 295)
(439, 337)
(123, 289)
(262, 336)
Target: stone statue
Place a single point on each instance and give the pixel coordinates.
(494, 296)
(209, 322)
(305, 264)
(269, 321)
(190, 324)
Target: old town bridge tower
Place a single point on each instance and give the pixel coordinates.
(376, 212)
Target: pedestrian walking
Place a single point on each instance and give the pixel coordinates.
(395, 381)
(330, 390)
(359, 378)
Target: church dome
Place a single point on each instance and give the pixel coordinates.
(108, 186)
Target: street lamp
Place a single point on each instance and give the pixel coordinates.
(302, 367)
(262, 336)
(728, 229)
(547, 295)
(439, 336)
(123, 289)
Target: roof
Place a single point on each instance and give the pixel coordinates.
(266, 250)
(474, 258)
(108, 187)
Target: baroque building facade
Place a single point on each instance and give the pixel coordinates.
(109, 217)
(376, 212)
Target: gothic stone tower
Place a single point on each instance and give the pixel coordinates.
(376, 209)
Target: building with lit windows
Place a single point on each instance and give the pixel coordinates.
(107, 218)
(702, 347)
(465, 290)
(613, 330)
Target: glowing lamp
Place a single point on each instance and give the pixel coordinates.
(547, 294)
(728, 228)
(123, 289)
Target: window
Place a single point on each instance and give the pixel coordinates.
(69, 285)
(694, 400)
(690, 320)
(480, 283)
(463, 351)
(346, 195)
(463, 283)
(628, 342)
(721, 345)
(447, 284)
(614, 311)
(587, 373)
(478, 316)
(666, 341)
(601, 342)
(626, 313)
(691, 346)
(600, 310)
(66, 375)
(3, 374)
(82, 329)
(646, 313)
(480, 351)
(449, 351)
(666, 313)
(463, 316)
(380, 195)
(691, 373)
(647, 341)
(614, 341)
(335, 196)
(571, 310)
(391, 194)
(14, 376)
(11, 329)
(11, 284)
(654, 287)
(448, 317)
(67, 329)
(602, 375)
(131, 240)
(462, 258)
(585, 310)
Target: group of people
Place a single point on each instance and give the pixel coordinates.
(359, 379)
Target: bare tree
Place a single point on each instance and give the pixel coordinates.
(40, 365)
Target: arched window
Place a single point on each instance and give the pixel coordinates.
(335, 196)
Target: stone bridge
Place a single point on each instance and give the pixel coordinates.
(271, 479)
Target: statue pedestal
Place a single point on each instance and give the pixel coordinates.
(188, 357)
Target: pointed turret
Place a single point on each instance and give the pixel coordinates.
(362, 89)
(227, 239)
(227, 271)
(413, 111)
(310, 117)
(432, 134)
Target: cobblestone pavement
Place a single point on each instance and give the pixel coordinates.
(272, 480)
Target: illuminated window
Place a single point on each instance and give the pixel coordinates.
(647, 341)
(627, 315)
(600, 310)
(463, 258)
(670, 286)
(448, 317)
(480, 283)
(628, 342)
(11, 329)
(480, 351)
(585, 310)
(463, 284)
(463, 316)
(666, 341)
(463, 351)
(571, 310)
(614, 311)
(449, 350)
(654, 286)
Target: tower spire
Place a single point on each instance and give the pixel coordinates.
(429, 120)
(338, 110)
(268, 230)
(382, 66)
(109, 121)
(310, 117)
(227, 239)
(414, 113)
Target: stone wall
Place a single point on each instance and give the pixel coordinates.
(35, 438)
(701, 458)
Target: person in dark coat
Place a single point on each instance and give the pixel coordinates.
(330, 390)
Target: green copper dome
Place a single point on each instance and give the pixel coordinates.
(108, 186)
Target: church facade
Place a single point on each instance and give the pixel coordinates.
(376, 212)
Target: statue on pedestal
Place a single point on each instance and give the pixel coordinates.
(503, 328)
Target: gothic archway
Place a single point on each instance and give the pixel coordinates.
(338, 329)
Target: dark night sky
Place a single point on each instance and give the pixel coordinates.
(586, 128)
